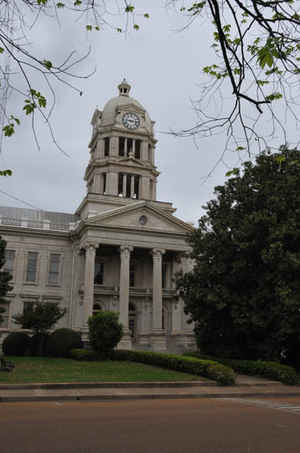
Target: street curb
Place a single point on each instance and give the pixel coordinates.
(108, 385)
(89, 385)
(14, 399)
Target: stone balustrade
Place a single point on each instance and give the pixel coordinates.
(37, 224)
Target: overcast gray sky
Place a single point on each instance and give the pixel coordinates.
(164, 67)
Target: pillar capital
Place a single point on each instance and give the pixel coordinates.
(125, 250)
(89, 245)
(157, 253)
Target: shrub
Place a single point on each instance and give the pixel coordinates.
(272, 370)
(223, 375)
(40, 317)
(105, 332)
(38, 343)
(84, 354)
(16, 343)
(61, 341)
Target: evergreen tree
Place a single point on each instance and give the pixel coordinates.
(244, 291)
(5, 278)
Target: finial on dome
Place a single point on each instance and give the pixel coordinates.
(124, 88)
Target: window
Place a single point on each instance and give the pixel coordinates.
(28, 306)
(96, 309)
(9, 261)
(149, 153)
(120, 184)
(164, 274)
(104, 182)
(31, 270)
(106, 147)
(54, 268)
(138, 149)
(132, 274)
(99, 273)
(121, 146)
(129, 145)
(136, 186)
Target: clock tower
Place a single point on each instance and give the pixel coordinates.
(121, 168)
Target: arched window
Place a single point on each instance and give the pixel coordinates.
(106, 146)
(96, 308)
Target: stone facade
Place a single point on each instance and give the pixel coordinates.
(119, 251)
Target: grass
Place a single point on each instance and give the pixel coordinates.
(44, 369)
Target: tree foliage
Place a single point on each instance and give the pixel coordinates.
(244, 291)
(105, 332)
(40, 317)
(5, 278)
(257, 48)
(40, 76)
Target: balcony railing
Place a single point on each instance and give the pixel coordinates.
(37, 224)
(133, 291)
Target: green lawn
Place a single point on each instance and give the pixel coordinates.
(44, 369)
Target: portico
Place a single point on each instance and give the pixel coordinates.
(142, 278)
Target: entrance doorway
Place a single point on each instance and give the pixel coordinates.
(132, 321)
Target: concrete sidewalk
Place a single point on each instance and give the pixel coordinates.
(99, 391)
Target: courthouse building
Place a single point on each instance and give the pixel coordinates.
(119, 251)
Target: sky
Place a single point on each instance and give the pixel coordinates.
(163, 64)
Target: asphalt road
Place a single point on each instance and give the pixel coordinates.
(163, 426)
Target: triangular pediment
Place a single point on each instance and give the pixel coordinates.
(142, 217)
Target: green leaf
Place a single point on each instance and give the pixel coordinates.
(5, 172)
(136, 27)
(9, 129)
(129, 9)
(47, 64)
(60, 5)
(234, 171)
(89, 27)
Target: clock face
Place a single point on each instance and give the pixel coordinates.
(131, 120)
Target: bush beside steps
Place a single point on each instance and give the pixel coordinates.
(223, 375)
(272, 370)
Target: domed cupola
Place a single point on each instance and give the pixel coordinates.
(122, 151)
(124, 88)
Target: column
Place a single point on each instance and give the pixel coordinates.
(114, 146)
(112, 183)
(89, 273)
(124, 185)
(158, 336)
(131, 186)
(157, 288)
(125, 251)
(144, 150)
(97, 183)
(99, 153)
(145, 188)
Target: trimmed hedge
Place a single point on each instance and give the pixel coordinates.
(16, 343)
(223, 375)
(84, 354)
(61, 341)
(273, 370)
